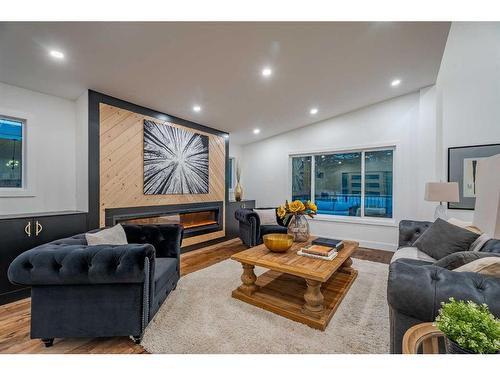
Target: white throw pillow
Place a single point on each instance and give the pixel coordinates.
(459, 223)
(465, 224)
(477, 245)
(111, 236)
(411, 253)
(489, 266)
(266, 216)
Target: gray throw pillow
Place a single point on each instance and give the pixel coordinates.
(461, 258)
(442, 239)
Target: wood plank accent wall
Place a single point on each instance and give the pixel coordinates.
(121, 166)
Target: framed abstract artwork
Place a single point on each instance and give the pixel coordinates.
(462, 168)
(175, 160)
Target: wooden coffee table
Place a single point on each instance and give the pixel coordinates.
(303, 289)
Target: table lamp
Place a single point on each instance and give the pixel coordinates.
(441, 192)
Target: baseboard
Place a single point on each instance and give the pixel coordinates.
(14, 295)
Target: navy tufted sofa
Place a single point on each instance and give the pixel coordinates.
(99, 291)
(416, 288)
(251, 231)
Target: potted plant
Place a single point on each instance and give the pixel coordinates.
(295, 214)
(469, 328)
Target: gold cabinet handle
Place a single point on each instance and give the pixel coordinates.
(39, 228)
(27, 229)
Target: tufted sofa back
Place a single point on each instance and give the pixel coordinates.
(410, 230)
(492, 246)
(436, 285)
(72, 262)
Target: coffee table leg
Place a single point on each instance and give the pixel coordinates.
(347, 266)
(248, 278)
(313, 297)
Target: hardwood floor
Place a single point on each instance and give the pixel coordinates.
(15, 317)
(379, 256)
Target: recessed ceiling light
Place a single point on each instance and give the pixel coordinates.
(396, 82)
(266, 72)
(56, 54)
(196, 108)
(313, 111)
(256, 131)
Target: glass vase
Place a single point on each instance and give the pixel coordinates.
(298, 227)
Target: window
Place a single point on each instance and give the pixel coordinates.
(356, 184)
(232, 167)
(338, 184)
(378, 183)
(11, 153)
(301, 178)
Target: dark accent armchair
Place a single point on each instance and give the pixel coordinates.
(251, 231)
(416, 288)
(99, 291)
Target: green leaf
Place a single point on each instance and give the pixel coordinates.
(470, 325)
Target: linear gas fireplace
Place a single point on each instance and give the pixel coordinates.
(196, 218)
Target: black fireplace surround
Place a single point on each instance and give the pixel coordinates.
(127, 215)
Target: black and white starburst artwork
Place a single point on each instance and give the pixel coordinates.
(175, 160)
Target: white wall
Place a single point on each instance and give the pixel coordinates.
(468, 91)
(407, 122)
(461, 109)
(235, 151)
(51, 126)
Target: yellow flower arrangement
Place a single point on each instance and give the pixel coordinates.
(312, 206)
(297, 207)
(281, 212)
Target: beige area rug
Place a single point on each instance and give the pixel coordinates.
(200, 316)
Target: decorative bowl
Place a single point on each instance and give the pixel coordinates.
(278, 242)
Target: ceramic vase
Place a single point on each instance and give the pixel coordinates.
(453, 348)
(238, 192)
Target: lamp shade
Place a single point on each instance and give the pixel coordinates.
(441, 192)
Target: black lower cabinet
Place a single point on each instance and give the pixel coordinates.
(14, 241)
(50, 228)
(18, 234)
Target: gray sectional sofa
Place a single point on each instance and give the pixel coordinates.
(99, 291)
(416, 287)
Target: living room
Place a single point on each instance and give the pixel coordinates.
(258, 187)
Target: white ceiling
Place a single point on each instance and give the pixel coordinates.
(336, 67)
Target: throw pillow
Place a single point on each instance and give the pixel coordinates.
(411, 253)
(442, 239)
(111, 236)
(489, 266)
(465, 224)
(267, 216)
(477, 245)
(456, 260)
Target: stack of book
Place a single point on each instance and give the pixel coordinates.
(322, 248)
